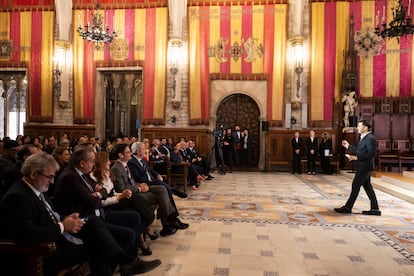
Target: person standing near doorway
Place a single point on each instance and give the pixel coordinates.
(228, 149)
(312, 151)
(296, 153)
(237, 141)
(245, 148)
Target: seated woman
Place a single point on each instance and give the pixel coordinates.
(122, 201)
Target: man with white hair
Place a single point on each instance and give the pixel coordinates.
(148, 178)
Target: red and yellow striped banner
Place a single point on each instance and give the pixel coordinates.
(31, 35)
(145, 32)
(388, 73)
(233, 40)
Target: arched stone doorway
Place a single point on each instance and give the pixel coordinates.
(240, 109)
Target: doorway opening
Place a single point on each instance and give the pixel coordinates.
(240, 109)
(119, 111)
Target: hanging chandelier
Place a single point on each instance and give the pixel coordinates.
(401, 24)
(96, 32)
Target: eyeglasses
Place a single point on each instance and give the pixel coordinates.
(125, 152)
(50, 177)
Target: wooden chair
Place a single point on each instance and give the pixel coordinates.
(174, 178)
(34, 258)
(387, 154)
(34, 254)
(406, 153)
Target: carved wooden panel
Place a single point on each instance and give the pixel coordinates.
(381, 126)
(383, 105)
(400, 126)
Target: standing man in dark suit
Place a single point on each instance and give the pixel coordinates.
(363, 156)
(245, 149)
(237, 142)
(296, 152)
(27, 219)
(312, 151)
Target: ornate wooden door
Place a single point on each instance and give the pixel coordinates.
(240, 109)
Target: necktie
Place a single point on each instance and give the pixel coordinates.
(56, 218)
(98, 212)
(131, 181)
(146, 170)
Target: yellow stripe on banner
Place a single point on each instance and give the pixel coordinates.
(317, 61)
(78, 57)
(367, 63)
(160, 61)
(139, 34)
(257, 33)
(235, 36)
(279, 62)
(194, 67)
(47, 66)
(4, 28)
(392, 62)
(342, 25)
(25, 35)
(214, 36)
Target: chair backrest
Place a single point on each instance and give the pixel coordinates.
(384, 145)
(401, 145)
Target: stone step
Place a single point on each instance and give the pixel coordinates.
(408, 174)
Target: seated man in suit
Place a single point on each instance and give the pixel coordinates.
(28, 218)
(149, 179)
(112, 237)
(201, 161)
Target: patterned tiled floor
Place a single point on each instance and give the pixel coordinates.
(276, 224)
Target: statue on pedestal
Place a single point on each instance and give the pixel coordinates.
(349, 110)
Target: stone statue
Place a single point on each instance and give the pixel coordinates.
(349, 106)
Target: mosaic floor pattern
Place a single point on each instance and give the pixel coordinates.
(274, 224)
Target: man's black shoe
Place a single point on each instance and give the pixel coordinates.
(181, 225)
(372, 212)
(343, 210)
(179, 193)
(177, 223)
(210, 176)
(139, 267)
(167, 231)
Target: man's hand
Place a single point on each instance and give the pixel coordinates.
(125, 194)
(72, 223)
(144, 187)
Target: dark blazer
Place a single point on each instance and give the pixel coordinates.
(120, 178)
(25, 218)
(297, 145)
(365, 151)
(325, 145)
(72, 195)
(138, 172)
(312, 145)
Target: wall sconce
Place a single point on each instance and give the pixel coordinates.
(297, 60)
(61, 63)
(57, 72)
(176, 55)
